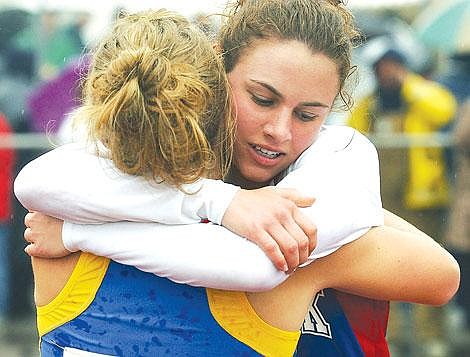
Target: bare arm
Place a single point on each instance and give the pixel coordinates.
(394, 221)
(394, 262)
(386, 264)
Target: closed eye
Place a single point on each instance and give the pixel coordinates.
(305, 116)
(262, 101)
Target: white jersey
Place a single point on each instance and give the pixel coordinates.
(340, 170)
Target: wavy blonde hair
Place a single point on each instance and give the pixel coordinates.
(157, 97)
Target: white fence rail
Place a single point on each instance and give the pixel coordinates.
(384, 141)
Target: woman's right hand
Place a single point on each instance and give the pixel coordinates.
(270, 217)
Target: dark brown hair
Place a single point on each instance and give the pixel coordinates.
(325, 26)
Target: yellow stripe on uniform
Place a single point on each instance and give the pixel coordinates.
(76, 295)
(234, 313)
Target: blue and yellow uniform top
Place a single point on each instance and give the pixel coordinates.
(340, 324)
(114, 309)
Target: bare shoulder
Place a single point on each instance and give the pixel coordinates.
(50, 276)
(275, 306)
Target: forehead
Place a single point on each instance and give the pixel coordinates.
(290, 66)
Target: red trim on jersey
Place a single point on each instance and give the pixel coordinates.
(368, 319)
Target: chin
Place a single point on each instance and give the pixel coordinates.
(260, 177)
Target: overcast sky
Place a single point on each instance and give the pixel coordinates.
(186, 7)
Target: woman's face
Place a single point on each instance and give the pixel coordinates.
(282, 92)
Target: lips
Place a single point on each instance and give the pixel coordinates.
(269, 154)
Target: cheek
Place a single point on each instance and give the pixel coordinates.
(246, 122)
(304, 137)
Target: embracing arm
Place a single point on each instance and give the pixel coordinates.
(170, 251)
(393, 262)
(342, 215)
(230, 263)
(74, 184)
(95, 192)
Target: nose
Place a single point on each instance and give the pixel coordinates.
(279, 126)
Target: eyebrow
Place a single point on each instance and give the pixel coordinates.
(277, 93)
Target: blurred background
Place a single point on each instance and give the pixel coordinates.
(424, 153)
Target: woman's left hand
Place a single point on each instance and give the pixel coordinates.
(44, 235)
(270, 217)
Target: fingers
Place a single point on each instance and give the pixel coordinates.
(299, 239)
(272, 249)
(33, 234)
(31, 250)
(295, 234)
(34, 250)
(308, 228)
(301, 228)
(300, 200)
(287, 244)
(276, 226)
(28, 235)
(28, 218)
(37, 217)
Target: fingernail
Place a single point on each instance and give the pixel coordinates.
(285, 267)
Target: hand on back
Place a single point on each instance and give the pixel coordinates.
(44, 235)
(271, 218)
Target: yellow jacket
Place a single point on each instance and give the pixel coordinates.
(428, 107)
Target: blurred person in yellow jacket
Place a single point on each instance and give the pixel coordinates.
(414, 180)
(408, 103)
